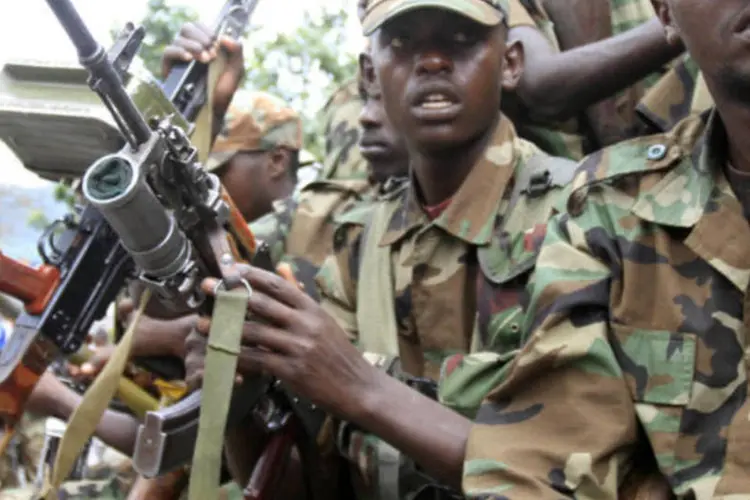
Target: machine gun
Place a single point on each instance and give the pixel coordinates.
(179, 226)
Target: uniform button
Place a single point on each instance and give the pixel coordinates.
(657, 152)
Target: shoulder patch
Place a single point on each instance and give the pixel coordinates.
(634, 158)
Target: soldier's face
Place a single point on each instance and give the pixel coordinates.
(717, 34)
(441, 76)
(380, 144)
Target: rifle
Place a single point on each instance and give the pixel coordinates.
(179, 226)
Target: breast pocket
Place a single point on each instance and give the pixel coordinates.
(500, 308)
(659, 368)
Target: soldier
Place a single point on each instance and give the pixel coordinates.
(637, 324)
(343, 160)
(256, 154)
(300, 231)
(437, 267)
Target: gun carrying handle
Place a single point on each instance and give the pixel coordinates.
(34, 287)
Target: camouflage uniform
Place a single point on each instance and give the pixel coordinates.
(23, 452)
(341, 128)
(680, 93)
(300, 229)
(111, 479)
(456, 280)
(256, 121)
(637, 324)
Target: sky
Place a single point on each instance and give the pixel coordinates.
(30, 30)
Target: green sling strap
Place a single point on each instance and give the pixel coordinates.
(85, 418)
(221, 363)
(376, 323)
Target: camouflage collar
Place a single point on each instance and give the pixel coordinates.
(472, 211)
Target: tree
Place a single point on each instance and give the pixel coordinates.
(304, 66)
(161, 24)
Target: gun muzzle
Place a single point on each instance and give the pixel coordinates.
(117, 187)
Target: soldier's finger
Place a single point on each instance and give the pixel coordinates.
(172, 55)
(195, 380)
(203, 325)
(277, 288)
(196, 49)
(247, 363)
(198, 32)
(269, 309)
(231, 45)
(274, 339)
(256, 361)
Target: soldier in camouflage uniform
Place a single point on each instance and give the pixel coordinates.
(436, 267)
(637, 324)
(300, 230)
(256, 154)
(343, 160)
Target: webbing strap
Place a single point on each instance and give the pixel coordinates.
(203, 128)
(86, 416)
(221, 362)
(376, 325)
(376, 315)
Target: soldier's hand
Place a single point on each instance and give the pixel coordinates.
(195, 41)
(300, 344)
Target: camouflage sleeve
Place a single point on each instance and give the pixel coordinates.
(337, 280)
(562, 421)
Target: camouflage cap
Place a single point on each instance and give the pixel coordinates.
(487, 12)
(255, 121)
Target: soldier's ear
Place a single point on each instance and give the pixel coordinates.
(664, 14)
(513, 64)
(277, 163)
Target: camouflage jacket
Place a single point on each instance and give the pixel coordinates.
(300, 229)
(457, 280)
(341, 129)
(637, 325)
(680, 93)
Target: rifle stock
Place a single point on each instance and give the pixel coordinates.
(92, 267)
(34, 287)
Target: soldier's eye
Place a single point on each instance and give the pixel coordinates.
(397, 42)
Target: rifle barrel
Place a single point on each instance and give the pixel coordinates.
(104, 77)
(76, 29)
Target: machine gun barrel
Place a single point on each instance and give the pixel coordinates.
(105, 79)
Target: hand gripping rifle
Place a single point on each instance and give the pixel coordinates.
(179, 226)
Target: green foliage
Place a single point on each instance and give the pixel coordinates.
(302, 66)
(63, 194)
(161, 24)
